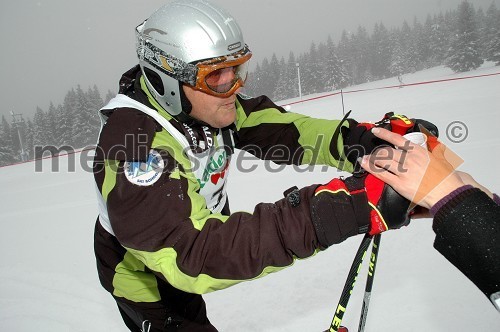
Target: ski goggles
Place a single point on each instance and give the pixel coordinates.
(220, 76)
(223, 76)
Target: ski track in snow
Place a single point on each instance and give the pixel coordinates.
(49, 280)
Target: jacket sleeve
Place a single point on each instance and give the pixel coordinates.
(270, 132)
(468, 234)
(167, 227)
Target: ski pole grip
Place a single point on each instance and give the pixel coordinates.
(400, 124)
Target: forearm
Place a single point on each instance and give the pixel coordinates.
(269, 132)
(467, 230)
(238, 248)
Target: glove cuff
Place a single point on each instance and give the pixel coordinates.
(344, 214)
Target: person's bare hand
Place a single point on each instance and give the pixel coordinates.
(419, 175)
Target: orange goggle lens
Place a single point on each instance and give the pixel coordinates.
(222, 78)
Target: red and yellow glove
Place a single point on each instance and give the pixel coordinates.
(355, 205)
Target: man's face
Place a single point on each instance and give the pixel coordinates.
(215, 111)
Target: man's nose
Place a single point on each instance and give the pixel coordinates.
(229, 74)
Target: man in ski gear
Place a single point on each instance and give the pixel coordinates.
(164, 233)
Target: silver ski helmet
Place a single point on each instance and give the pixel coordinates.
(191, 42)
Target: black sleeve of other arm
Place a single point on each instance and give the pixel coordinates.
(468, 235)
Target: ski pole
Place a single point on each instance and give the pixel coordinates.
(349, 284)
(369, 282)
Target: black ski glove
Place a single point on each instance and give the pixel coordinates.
(359, 140)
(355, 205)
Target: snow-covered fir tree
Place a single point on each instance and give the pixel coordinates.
(335, 76)
(265, 82)
(361, 54)
(480, 19)
(85, 125)
(380, 48)
(252, 86)
(408, 48)
(95, 103)
(344, 53)
(6, 143)
(438, 40)
(420, 38)
(398, 56)
(274, 73)
(66, 119)
(293, 79)
(51, 125)
(41, 130)
(464, 53)
(28, 139)
(311, 71)
(492, 34)
(284, 84)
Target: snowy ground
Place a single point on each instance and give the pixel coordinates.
(48, 280)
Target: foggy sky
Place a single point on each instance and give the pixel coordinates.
(50, 46)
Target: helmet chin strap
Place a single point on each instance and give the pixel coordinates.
(187, 107)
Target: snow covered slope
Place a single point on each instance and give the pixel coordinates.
(48, 280)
